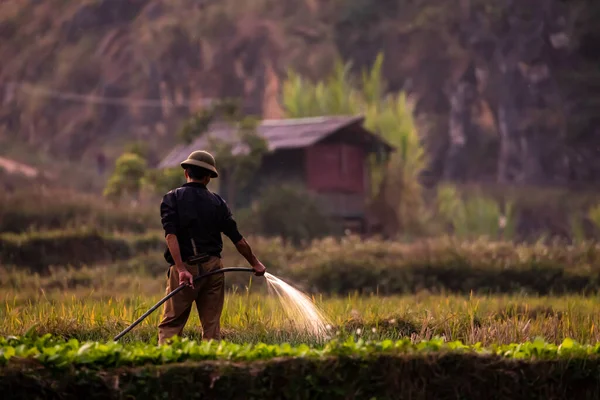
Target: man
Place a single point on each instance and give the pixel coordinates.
(193, 219)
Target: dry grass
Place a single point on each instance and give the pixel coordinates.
(98, 303)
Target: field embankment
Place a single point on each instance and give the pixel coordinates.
(343, 266)
(400, 369)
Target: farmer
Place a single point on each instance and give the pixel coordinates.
(193, 219)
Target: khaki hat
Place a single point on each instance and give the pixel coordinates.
(202, 159)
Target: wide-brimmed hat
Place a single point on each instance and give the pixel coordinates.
(202, 159)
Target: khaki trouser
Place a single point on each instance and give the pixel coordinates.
(209, 295)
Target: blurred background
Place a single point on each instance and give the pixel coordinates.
(400, 120)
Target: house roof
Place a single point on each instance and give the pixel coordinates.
(279, 134)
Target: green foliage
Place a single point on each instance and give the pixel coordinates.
(576, 225)
(340, 267)
(242, 165)
(399, 178)
(195, 126)
(477, 216)
(345, 370)
(291, 213)
(54, 352)
(138, 148)
(225, 109)
(126, 179)
(444, 266)
(594, 216)
(163, 180)
(240, 159)
(334, 96)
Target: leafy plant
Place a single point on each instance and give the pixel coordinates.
(594, 216)
(163, 180)
(225, 109)
(51, 351)
(475, 216)
(126, 179)
(576, 225)
(291, 213)
(240, 159)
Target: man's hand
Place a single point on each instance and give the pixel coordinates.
(185, 277)
(245, 250)
(259, 268)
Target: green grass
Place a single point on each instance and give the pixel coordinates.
(72, 353)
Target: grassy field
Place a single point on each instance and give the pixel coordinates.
(439, 317)
(408, 345)
(99, 307)
(417, 346)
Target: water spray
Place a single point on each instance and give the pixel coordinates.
(298, 306)
(301, 311)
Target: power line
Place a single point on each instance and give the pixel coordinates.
(28, 88)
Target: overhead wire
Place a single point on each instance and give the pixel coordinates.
(84, 98)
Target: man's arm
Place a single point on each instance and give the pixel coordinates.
(229, 228)
(168, 212)
(173, 246)
(243, 247)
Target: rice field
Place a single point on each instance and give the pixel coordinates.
(100, 309)
(413, 346)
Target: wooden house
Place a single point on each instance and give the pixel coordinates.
(326, 155)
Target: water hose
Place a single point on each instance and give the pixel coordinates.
(174, 292)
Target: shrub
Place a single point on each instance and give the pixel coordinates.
(292, 214)
(130, 169)
(163, 180)
(594, 215)
(476, 216)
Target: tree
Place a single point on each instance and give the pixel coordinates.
(239, 160)
(291, 213)
(163, 180)
(199, 123)
(130, 169)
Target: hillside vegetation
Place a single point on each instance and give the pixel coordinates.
(503, 90)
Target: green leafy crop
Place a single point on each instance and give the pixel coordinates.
(52, 352)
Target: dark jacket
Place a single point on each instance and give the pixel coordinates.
(192, 211)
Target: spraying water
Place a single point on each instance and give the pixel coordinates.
(302, 312)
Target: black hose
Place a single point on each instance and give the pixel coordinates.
(174, 292)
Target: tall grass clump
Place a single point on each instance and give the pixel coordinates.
(476, 216)
(594, 216)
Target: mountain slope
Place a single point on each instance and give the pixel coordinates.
(506, 90)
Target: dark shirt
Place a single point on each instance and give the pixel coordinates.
(192, 211)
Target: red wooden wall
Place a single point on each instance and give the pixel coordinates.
(335, 167)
